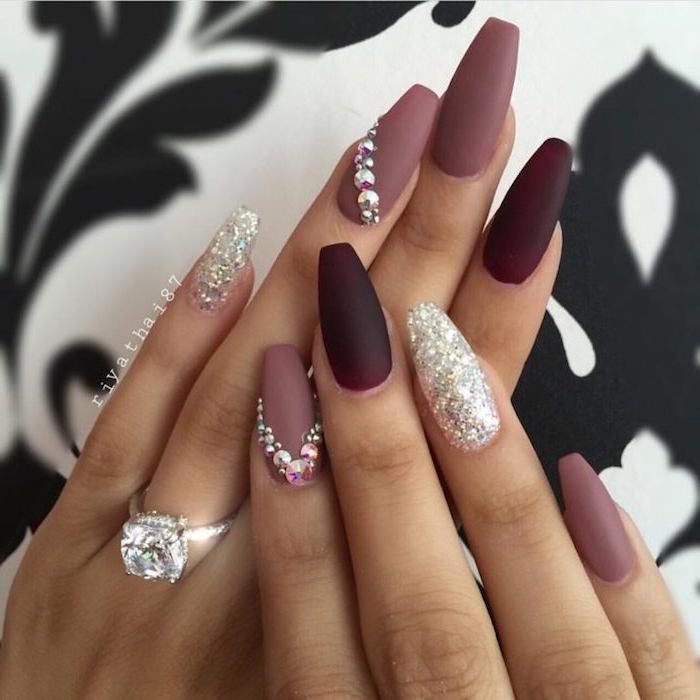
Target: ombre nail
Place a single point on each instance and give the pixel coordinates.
(353, 326)
(387, 156)
(593, 521)
(452, 379)
(476, 102)
(218, 269)
(523, 225)
(288, 424)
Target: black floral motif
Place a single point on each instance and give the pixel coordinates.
(83, 159)
(645, 334)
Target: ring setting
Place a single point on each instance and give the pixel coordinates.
(155, 546)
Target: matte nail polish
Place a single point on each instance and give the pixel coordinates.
(523, 225)
(352, 321)
(451, 378)
(476, 102)
(593, 521)
(217, 270)
(387, 157)
(288, 427)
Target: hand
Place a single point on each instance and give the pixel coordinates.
(365, 589)
(182, 416)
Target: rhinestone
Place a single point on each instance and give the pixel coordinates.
(364, 179)
(154, 547)
(282, 458)
(359, 160)
(372, 132)
(269, 450)
(269, 439)
(366, 147)
(367, 216)
(368, 199)
(309, 452)
(277, 445)
(298, 471)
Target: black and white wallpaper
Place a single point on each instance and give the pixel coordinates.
(128, 130)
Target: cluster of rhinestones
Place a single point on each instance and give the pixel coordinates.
(368, 199)
(295, 471)
(228, 252)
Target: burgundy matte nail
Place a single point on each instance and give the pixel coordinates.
(391, 154)
(524, 223)
(476, 102)
(352, 321)
(287, 427)
(593, 521)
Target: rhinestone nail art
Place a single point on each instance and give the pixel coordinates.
(452, 380)
(228, 253)
(296, 471)
(368, 199)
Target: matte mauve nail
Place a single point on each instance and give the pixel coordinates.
(593, 522)
(288, 408)
(352, 321)
(476, 102)
(399, 142)
(523, 225)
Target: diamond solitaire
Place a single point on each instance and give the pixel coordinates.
(154, 545)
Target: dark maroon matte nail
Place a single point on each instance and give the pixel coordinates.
(593, 522)
(352, 321)
(399, 142)
(476, 102)
(289, 410)
(523, 225)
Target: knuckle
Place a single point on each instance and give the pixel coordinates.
(389, 458)
(318, 684)
(302, 550)
(655, 643)
(109, 452)
(579, 672)
(435, 652)
(220, 415)
(516, 508)
(422, 236)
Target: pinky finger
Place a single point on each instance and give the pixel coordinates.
(629, 586)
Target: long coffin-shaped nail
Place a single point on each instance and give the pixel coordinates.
(452, 379)
(523, 225)
(352, 321)
(593, 521)
(476, 102)
(218, 269)
(288, 425)
(387, 156)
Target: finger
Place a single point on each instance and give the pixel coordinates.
(213, 430)
(556, 639)
(424, 624)
(135, 423)
(310, 625)
(429, 248)
(501, 300)
(629, 586)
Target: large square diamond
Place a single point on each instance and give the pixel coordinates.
(154, 547)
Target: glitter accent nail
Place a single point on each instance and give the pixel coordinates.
(217, 271)
(452, 379)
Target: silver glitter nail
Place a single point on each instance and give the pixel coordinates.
(452, 379)
(228, 253)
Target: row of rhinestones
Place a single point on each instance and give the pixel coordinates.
(368, 199)
(294, 471)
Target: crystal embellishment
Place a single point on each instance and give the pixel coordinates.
(294, 471)
(452, 379)
(154, 547)
(227, 254)
(365, 178)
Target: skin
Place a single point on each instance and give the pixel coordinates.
(368, 594)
